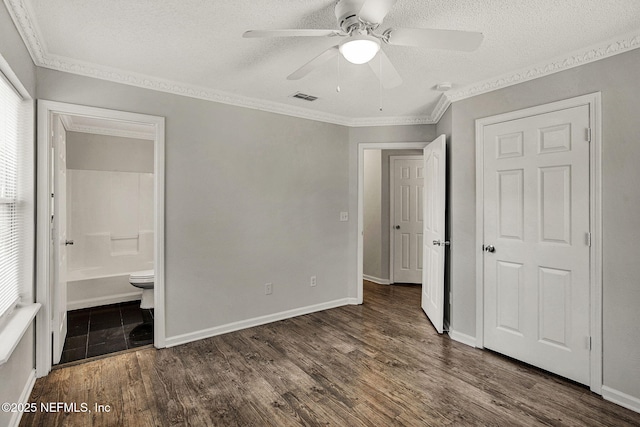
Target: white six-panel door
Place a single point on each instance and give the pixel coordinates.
(406, 218)
(434, 231)
(536, 224)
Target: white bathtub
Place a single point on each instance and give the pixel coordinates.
(110, 218)
(93, 287)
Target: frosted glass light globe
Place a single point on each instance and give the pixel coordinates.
(360, 49)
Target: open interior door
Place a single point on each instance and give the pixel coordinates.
(59, 239)
(434, 242)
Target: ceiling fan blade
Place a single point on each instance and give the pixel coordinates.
(314, 63)
(290, 33)
(435, 39)
(374, 11)
(386, 72)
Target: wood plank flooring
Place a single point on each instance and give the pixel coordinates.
(379, 364)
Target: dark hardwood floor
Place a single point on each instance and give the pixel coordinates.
(378, 364)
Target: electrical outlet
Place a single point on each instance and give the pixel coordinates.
(268, 288)
(344, 216)
(312, 282)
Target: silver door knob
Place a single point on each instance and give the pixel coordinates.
(68, 242)
(490, 248)
(397, 227)
(441, 243)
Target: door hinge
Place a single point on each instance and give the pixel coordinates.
(588, 135)
(588, 342)
(589, 239)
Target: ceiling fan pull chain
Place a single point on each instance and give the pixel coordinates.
(338, 83)
(380, 81)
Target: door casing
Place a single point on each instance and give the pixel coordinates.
(46, 111)
(595, 189)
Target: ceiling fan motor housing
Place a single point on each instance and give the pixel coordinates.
(347, 14)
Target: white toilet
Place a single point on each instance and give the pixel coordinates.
(144, 280)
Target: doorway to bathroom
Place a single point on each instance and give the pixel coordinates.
(100, 232)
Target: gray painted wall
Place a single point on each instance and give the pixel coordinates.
(108, 153)
(372, 253)
(15, 373)
(14, 51)
(251, 197)
(412, 133)
(617, 79)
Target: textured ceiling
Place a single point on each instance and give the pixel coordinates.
(199, 44)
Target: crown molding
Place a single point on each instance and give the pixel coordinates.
(28, 29)
(72, 66)
(71, 126)
(577, 58)
(574, 59)
(110, 132)
(30, 33)
(441, 107)
(59, 63)
(391, 121)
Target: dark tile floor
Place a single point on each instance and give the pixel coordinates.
(106, 329)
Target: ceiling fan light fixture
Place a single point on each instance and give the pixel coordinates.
(360, 49)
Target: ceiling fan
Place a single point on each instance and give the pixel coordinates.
(358, 21)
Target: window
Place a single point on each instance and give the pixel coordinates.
(15, 197)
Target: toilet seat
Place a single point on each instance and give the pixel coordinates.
(146, 276)
(144, 280)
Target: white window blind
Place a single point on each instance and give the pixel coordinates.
(12, 218)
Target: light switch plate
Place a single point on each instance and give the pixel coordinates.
(344, 216)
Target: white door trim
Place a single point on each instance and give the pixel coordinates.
(392, 212)
(360, 226)
(593, 100)
(44, 211)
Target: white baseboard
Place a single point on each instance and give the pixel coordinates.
(256, 321)
(24, 398)
(462, 338)
(377, 280)
(620, 398)
(111, 299)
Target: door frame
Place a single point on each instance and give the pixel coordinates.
(46, 110)
(392, 213)
(360, 221)
(593, 100)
